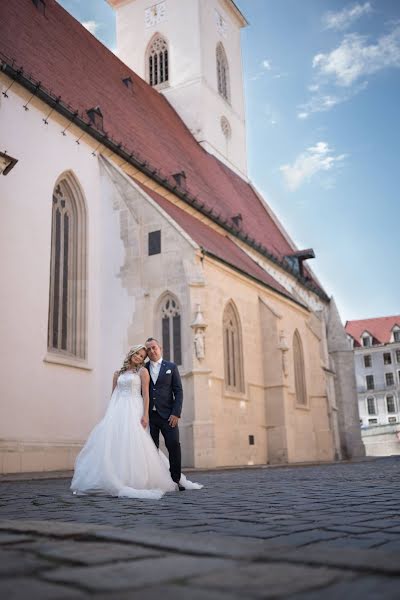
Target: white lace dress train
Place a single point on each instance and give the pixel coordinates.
(119, 457)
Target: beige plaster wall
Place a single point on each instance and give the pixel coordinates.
(283, 431)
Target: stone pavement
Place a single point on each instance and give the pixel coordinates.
(330, 531)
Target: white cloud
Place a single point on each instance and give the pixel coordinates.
(265, 66)
(343, 19)
(355, 58)
(310, 162)
(91, 26)
(323, 101)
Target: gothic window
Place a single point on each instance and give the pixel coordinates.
(67, 304)
(223, 73)
(157, 61)
(299, 371)
(171, 329)
(233, 350)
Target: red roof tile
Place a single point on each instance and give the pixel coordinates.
(217, 245)
(60, 53)
(380, 328)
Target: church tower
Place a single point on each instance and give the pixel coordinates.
(190, 51)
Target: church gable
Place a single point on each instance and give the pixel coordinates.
(157, 249)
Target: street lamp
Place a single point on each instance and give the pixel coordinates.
(6, 163)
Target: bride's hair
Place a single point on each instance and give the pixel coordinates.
(127, 362)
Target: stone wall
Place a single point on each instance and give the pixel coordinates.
(382, 440)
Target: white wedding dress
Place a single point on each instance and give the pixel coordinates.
(120, 457)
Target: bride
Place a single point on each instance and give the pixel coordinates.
(120, 457)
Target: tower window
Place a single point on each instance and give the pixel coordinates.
(223, 73)
(157, 61)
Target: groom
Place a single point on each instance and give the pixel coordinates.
(166, 396)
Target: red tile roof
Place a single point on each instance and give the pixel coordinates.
(380, 329)
(58, 51)
(217, 245)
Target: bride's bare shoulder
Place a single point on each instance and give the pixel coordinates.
(144, 373)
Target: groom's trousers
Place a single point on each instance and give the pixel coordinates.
(171, 438)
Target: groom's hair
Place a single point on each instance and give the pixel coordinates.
(151, 339)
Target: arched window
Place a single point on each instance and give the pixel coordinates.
(223, 73)
(67, 305)
(157, 61)
(299, 371)
(233, 350)
(171, 329)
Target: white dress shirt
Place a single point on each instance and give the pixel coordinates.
(155, 369)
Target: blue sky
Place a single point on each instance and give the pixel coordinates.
(322, 88)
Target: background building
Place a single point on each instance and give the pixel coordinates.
(126, 212)
(376, 344)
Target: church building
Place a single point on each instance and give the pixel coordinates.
(126, 212)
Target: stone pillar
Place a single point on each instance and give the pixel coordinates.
(202, 419)
(345, 386)
(275, 372)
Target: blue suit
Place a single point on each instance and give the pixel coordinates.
(167, 394)
(166, 397)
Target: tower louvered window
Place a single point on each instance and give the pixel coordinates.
(158, 61)
(223, 73)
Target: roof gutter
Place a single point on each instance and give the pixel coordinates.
(35, 87)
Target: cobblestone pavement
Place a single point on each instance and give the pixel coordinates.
(329, 531)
